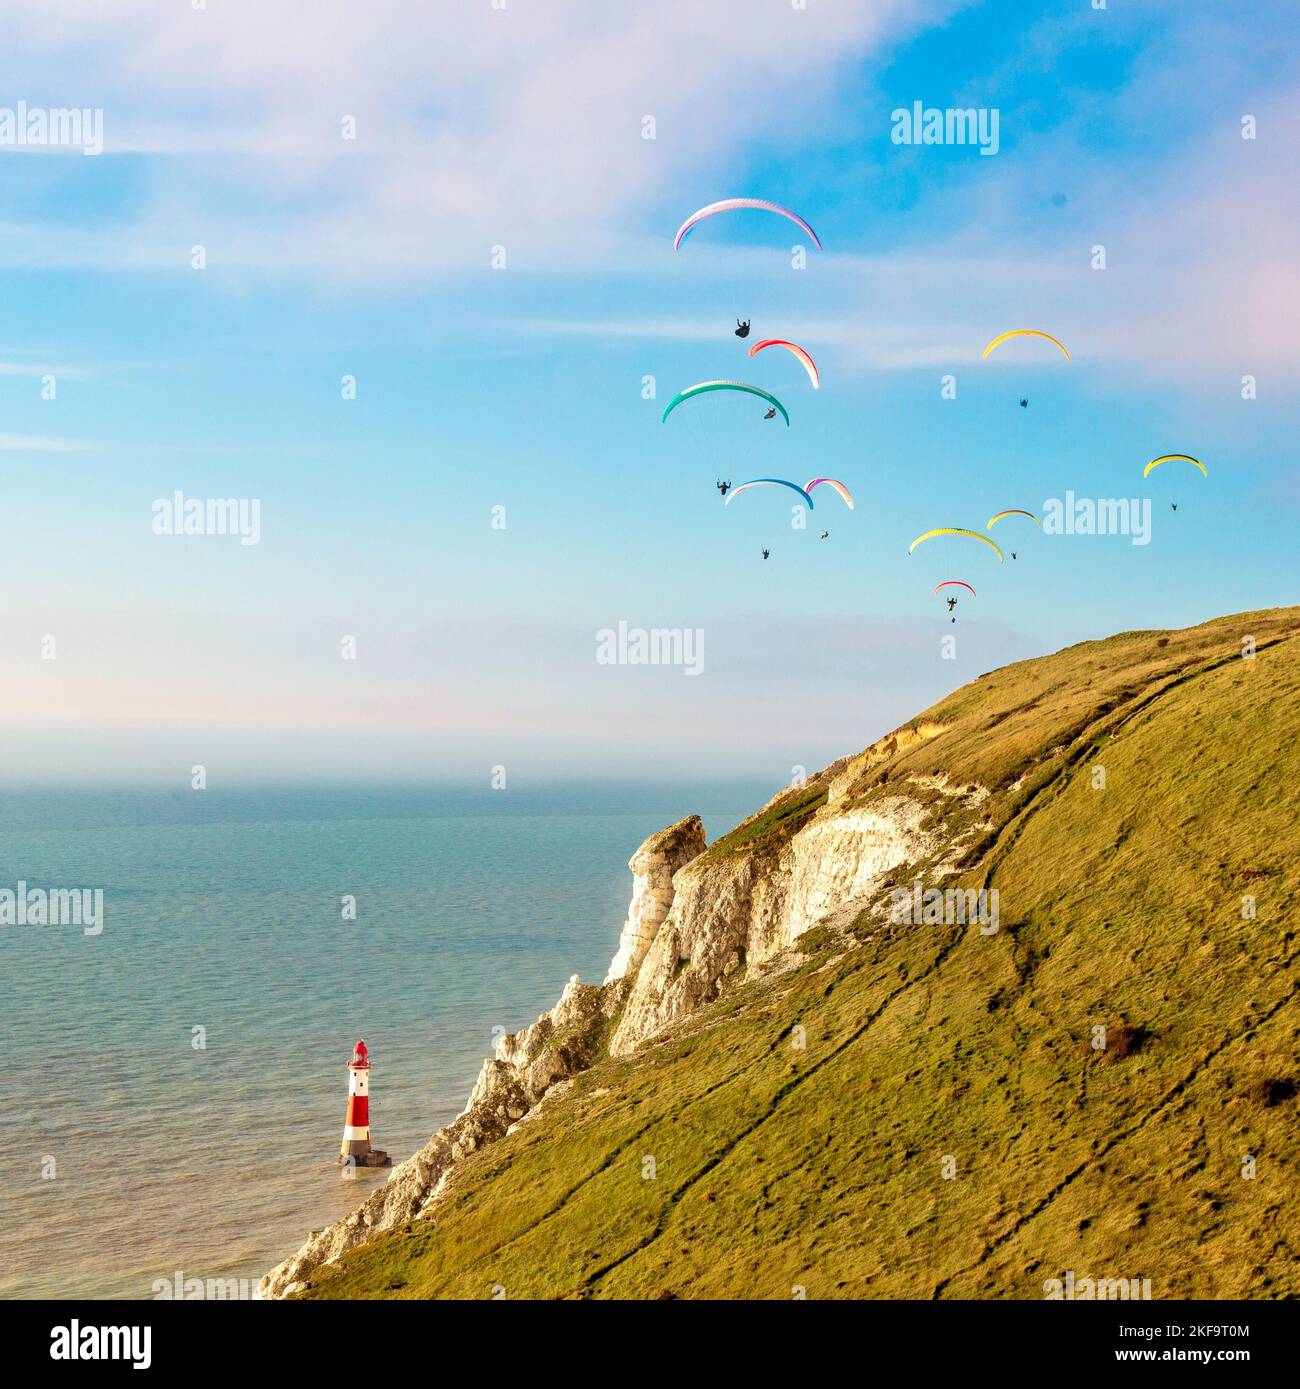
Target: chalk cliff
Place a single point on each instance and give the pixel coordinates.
(653, 866)
(696, 920)
(794, 1082)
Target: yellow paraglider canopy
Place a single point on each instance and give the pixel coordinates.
(1025, 333)
(1169, 457)
(957, 530)
(1014, 511)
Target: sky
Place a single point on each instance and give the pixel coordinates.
(468, 210)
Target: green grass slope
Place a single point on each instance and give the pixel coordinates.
(730, 1161)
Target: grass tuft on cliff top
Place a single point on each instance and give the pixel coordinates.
(921, 1112)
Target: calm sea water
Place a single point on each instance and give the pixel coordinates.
(223, 912)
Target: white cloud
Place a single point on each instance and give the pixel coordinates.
(522, 126)
(474, 125)
(1201, 273)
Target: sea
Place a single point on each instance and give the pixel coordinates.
(176, 1081)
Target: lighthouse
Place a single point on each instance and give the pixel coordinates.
(356, 1150)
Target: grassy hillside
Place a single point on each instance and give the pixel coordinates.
(730, 1162)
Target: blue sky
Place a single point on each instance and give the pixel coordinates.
(522, 387)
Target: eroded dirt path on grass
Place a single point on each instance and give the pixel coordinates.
(1085, 744)
(558, 1205)
(1087, 741)
(774, 1105)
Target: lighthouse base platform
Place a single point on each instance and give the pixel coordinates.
(374, 1158)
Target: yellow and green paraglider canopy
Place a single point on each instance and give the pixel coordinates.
(957, 530)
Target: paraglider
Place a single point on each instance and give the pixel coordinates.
(953, 583)
(1015, 511)
(766, 553)
(835, 485)
(793, 347)
(957, 530)
(734, 204)
(724, 487)
(769, 482)
(1025, 333)
(742, 328)
(825, 535)
(771, 415)
(705, 386)
(1170, 457)
(1024, 402)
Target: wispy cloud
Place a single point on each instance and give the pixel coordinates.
(521, 125)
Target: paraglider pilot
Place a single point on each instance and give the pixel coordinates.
(766, 553)
(771, 414)
(724, 487)
(742, 328)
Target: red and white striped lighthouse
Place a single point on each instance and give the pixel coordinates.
(356, 1150)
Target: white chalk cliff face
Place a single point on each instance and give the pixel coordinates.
(653, 866)
(697, 919)
(740, 910)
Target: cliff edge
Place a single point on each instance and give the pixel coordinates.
(1009, 993)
